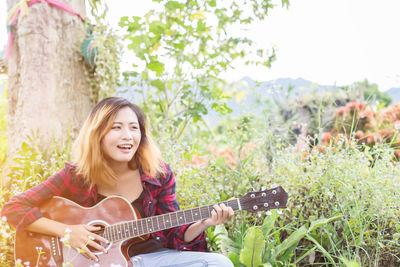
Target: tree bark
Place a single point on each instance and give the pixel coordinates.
(48, 92)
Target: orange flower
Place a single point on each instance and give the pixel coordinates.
(359, 135)
(397, 154)
(326, 138)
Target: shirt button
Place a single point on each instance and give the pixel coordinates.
(149, 202)
(158, 238)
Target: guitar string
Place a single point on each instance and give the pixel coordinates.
(117, 234)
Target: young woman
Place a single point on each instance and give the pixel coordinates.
(114, 155)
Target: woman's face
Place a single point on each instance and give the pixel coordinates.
(122, 141)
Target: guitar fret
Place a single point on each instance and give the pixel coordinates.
(143, 226)
(126, 228)
(119, 231)
(165, 225)
(108, 234)
(130, 228)
(135, 228)
(184, 216)
(113, 232)
(158, 223)
(121, 227)
(138, 224)
(152, 225)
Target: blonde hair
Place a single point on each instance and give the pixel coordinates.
(88, 156)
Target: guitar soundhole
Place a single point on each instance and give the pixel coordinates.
(99, 232)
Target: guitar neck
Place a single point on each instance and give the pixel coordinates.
(131, 229)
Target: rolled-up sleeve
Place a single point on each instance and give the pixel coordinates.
(23, 209)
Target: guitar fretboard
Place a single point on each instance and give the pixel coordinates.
(131, 229)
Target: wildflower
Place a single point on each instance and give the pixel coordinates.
(4, 218)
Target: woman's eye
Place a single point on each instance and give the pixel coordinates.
(116, 127)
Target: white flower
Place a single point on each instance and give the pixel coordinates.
(4, 218)
(67, 230)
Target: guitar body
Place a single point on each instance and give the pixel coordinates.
(109, 211)
(121, 225)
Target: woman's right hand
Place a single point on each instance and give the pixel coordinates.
(81, 236)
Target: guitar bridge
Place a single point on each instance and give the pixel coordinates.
(55, 248)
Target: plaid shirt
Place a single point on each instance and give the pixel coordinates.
(160, 198)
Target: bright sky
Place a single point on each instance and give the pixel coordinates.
(324, 41)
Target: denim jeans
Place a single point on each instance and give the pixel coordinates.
(173, 258)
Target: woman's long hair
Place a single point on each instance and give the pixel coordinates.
(88, 156)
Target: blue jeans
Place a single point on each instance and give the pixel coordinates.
(173, 258)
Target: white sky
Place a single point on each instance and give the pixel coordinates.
(324, 41)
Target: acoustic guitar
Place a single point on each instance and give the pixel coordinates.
(121, 226)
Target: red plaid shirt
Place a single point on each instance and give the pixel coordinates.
(160, 197)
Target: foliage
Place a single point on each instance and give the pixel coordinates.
(3, 127)
(29, 167)
(181, 49)
(359, 122)
(104, 75)
(343, 181)
(370, 93)
(342, 210)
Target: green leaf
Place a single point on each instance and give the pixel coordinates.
(172, 5)
(349, 263)
(158, 84)
(294, 238)
(320, 222)
(156, 27)
(234, 258)
(221, 108)
(136, 41)
(156, 66)
(253, 247)
(212, 3)
(269, 222)
(223, 241)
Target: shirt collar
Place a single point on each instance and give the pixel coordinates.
(147, 179)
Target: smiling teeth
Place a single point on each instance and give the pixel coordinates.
(125, 146)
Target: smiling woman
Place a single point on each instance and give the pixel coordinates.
(114, 159)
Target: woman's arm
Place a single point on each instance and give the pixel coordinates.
(22, 211)
(220, 215)
(80, 236)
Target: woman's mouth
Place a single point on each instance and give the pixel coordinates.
(125, 148)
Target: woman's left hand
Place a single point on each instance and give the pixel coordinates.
(220, 214)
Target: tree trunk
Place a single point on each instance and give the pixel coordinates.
(48, 93)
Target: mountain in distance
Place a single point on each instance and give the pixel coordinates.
(251, 92)
(394, 93)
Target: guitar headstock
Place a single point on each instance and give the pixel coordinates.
(275, 198)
